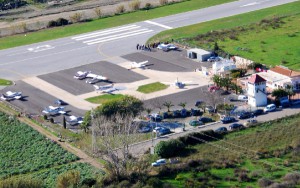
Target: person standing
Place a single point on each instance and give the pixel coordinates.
(137, 46)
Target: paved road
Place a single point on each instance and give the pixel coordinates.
(55, 55)
(140, 148)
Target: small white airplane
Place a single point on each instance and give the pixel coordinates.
(95, 78)
(82, 74)
(53, 110)
(101, 88)
(73, 120)
(180, 84)
(140, 65)
(11, 95)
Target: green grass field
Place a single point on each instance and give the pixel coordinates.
(55, 33)
(269, 150)
(104, 98)
(25, 152)
(153, 87)
(270, 47)
(4, 82)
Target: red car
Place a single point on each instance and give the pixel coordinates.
(213, 88)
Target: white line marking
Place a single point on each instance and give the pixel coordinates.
(119, 37)
(91, 35)
(112, 36)
(250, 4)
(158, 24)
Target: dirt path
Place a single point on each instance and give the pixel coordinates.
(84, 158)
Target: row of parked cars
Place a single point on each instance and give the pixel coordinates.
(200, 121)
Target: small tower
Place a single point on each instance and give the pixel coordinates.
(257, 95)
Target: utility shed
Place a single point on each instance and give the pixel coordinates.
(198, 54)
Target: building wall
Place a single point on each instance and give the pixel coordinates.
(256, 95)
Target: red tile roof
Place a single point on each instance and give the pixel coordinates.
(285, 71)
(255, 78)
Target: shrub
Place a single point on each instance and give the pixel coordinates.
(120, 9)
(51, 120)
(135, 5)
(98, 12)
(124, 184)
(62, 21)
(163, 2)
(76, 17)
(51, 23)
(293, 178)
(21, 183)
(154, 182)
(264, 182)
(169, 148)
(148, 6)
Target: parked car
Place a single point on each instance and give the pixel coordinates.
(205, 119)
(195, 112)
(257, 112)
(228, 119)
(213, 88)
(183, 113)
(270, 108)
(167, 47)
(159, 162)
(235, 126)
(156, 117)
(213, 59)
(250, 122)
(197, 103)
(176, 114)
(195, 123)
(144, 129)
(221, 130)
(243, 98)
(244, 115)
(209, 109)
(163, 131)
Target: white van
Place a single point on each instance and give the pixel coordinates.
(270, 108)
(242, 98)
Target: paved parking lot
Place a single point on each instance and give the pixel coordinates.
(36, 100)
(116, 74)
(172, 61)
(190, 97)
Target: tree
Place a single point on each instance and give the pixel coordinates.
(217, 80)
(182, 104)
(225, 82)
(169, 148)
(148, 110)
(213, 98)
(69, 179)
(290, 91)
(64, 122)
(278, 93)
(236, 88)
(168, 105)
(113, 137)
(86, 121)
(202, 106)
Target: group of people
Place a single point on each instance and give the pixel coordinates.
(148, 47)
(143, 47)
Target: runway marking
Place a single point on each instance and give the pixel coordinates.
(119, 36)
(102, 33)
(40, 48)
(43, 56)
(158, 24)
(250, 4)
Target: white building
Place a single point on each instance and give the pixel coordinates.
(223, 67)
(257, 91)
(280, 77)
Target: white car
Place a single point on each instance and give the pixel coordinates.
(167, 47)
(159, 162)
(270, 108)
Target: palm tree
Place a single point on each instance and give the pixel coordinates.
(290, 91)
(236, 88)
(217, 80)
(225, 82)
(148, 110)
(182, 104)
(202, 106)
(168, 105)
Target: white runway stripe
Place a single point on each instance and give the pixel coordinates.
(105, 39)
(158, 24)
(116, 35)
(101, 33)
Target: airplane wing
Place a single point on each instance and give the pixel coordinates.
(62, 112)
(100, 77)
(52, 108)
(143, 62)
(18, 97)
(91, 75)
(9, 93)
(97, 87)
